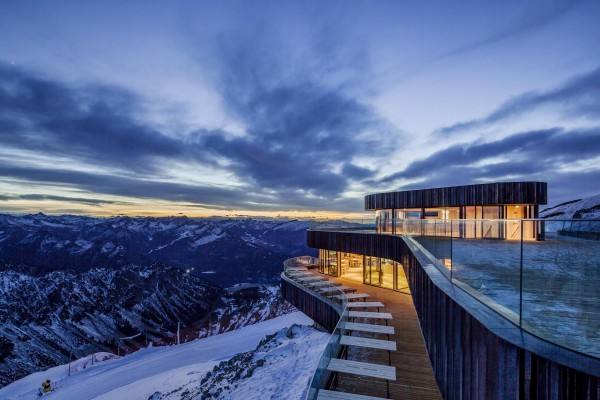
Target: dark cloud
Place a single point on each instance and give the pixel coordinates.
(580, 97)
(300, 136)
(355, 172)
(80, 200)
(93, 124)
(298, 130)
(214, 197)
(536, 155)
(128, 186)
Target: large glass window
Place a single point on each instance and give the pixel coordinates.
(386, 274)
(471, 229)
(351, 266)
(401, 281)
(491, 229)
(370, 270)
(332, 263)
(408, 221)
(384, 221)
(328, 262)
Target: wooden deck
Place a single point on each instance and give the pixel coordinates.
(414, 374)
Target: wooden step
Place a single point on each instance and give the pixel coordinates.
(339, 288)
(308, 279)
(369, 314)
(362, 368)
(299, 274)
(372, 328)
(366, 304)
(325, 283)
(388, 345)
(333, 395)
(354, 296)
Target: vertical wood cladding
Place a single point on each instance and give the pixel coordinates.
(488, 194)
(468, 359)
(310, 304)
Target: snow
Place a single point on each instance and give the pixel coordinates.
(207, 239)
(167, 369)
(588, 208)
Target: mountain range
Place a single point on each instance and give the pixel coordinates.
(226, 250)
(71, 286)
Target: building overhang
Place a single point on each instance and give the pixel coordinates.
(486, 194)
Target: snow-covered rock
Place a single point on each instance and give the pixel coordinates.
(272, 370)
(289, 354)
(47, 318)
(588, 208)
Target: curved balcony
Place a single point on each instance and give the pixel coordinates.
(327, 308)
(527, 308)
(361, 356)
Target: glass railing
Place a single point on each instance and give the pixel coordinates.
(353, 224)
(542, 275)
(337, 298)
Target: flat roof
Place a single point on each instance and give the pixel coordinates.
(484, 194)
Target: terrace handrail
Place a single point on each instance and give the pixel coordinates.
(322, 376)
(547, 285)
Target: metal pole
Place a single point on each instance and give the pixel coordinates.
(178, 324)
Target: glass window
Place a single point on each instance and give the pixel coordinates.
(386, 274)
(384, 221)
(331, 267)
(491, 229)
(371, 265)
(401, 281)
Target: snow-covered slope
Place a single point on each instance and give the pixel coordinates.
(588, 208)
(44, 318)
(180, 372)
(271, 371)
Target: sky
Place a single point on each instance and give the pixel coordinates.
(291, 108)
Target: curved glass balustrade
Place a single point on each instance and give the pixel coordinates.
(328, 293)
(542, 275)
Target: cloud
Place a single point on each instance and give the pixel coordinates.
(301, 131)
(92, 124)
(534, 155)
(298, 149)
(80, 200)
(212, 197)
(579, 97)
(534, 18)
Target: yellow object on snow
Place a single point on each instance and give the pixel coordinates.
(46, 387)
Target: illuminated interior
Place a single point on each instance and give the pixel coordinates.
(374, 271)
(467, 222)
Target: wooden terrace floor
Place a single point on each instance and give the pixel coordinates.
(414, 374)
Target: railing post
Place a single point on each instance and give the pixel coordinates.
(521, 280)
(451, 241)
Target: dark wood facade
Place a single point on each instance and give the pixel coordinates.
(488, 194)
(475, 353)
